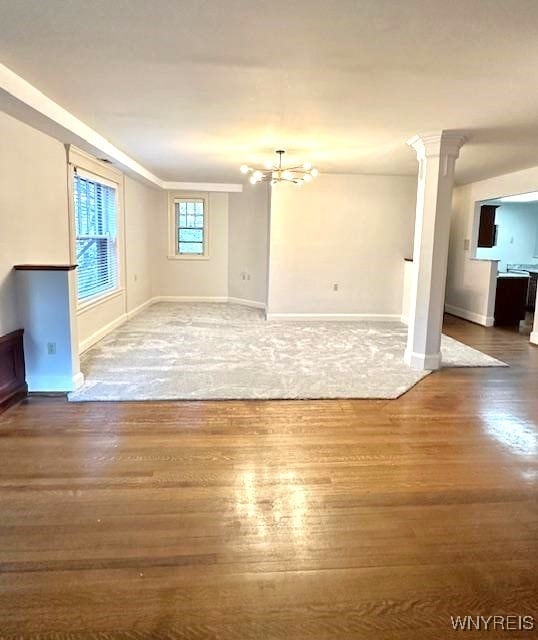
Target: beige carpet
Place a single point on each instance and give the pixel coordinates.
(222, 351)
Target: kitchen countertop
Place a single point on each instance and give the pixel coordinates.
(531, 268)
(504, 274)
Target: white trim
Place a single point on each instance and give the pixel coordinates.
(191, 299)
(477, 318)
(422, 361)
(173, 198)
(94, 177)
(78, 380)
(186, 256)
(32, 100)
(336, 317)
(246, 303)
(99, 299)
(534, 337)
(141, 307)
(404, 319)
(101, 333)
(228, 187)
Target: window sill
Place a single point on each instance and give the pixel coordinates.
(95, 302)
(186, 257)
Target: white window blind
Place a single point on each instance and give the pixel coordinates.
(96, 227)
(190, 227)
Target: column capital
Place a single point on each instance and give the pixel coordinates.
(437, 144)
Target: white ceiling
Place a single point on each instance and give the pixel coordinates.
(193, 89)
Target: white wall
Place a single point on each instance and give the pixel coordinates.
(470, 281)
(184, 277)
(248, 243)
(44, 303)
(34, 226)
(353, 230)
(517, 228)
(142, 205)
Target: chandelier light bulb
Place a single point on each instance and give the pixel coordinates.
(244, 168)
(258, 174)
(307, 166)
(314, 173)
(252, 180)
(268, 164)
(287, 175)
(307, 177)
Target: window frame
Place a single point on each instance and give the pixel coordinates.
(113, 179)
(173, 226)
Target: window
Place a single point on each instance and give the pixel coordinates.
(190, 227)
(96, 228)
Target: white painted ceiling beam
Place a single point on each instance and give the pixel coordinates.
(22, 100)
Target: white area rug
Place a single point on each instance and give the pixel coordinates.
(204, 351)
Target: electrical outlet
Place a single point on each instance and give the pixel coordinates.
(335, 286)
(51, 348)
(466, 244)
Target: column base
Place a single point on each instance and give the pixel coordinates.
(534, 337)
(422, 361)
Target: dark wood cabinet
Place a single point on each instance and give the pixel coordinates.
(511, 300)
(12, 374)
(487, 231)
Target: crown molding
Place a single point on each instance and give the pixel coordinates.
(23, 101)
(228, 187)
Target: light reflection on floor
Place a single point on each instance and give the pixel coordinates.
(519, 436)
(287, 509)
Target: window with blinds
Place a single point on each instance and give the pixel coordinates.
(96, 227)
(190, 227)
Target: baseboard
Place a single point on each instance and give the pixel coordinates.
(477, 318)
(190, 299)
(422, 361)
(404, 319)
(534, 337)
(141, 307)
(101, 333)
(336, 317)
(246, 303)
(78, 380)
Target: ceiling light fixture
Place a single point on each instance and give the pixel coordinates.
(274, 172)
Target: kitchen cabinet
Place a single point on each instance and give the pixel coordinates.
(487, 231)
(511, 300)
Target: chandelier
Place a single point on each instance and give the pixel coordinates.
(274, 172)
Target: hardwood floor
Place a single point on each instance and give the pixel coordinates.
(269, 520)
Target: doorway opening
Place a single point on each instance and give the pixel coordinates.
(507, 234)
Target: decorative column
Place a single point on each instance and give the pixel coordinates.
(436, 153)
